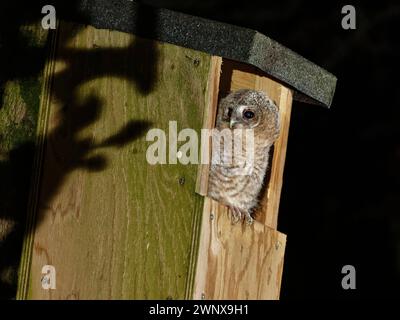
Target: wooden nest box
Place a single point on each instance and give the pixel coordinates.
(114, 226)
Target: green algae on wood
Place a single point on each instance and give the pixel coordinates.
(119, 228)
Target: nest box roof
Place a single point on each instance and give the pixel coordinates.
(311, 82)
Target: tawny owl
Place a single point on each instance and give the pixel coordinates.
(236, 180)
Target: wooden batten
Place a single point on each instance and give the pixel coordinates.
(240, 261)
(209, 120)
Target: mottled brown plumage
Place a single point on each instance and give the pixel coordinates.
(235, 180)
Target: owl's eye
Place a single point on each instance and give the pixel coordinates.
(248, 114)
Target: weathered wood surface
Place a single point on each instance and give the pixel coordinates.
(42, 121)
(23, 53)
(113, 226)
(239, 261)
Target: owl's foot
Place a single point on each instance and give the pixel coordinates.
(236, 214)
(239, 214)
(249, 218)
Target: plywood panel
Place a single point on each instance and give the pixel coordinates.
(113, 226)
(237, 261)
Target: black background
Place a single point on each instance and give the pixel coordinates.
(341, 194)
(341, 191)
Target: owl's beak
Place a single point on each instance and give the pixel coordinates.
(232, 123)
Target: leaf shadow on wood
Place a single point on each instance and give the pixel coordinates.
(19, 60)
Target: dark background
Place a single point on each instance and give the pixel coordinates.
(341, 194)
(341, 191)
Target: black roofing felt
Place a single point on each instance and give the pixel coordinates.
(216, 38)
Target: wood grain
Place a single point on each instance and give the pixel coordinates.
(209, 122)
(42, 124)
(113, 226)
(239, 261)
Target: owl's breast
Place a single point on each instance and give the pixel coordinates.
(236, 186)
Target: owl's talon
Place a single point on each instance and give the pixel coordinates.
(249, 220)
(236, 214)
(235, 219)
(239, 214)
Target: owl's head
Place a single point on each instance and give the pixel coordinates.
(250, 109)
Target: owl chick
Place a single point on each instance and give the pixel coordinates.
(228, 183)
